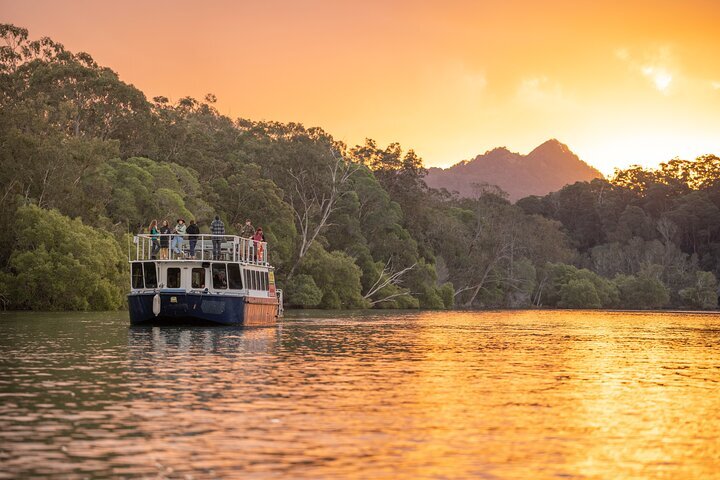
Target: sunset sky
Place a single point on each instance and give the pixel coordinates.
(620, 82)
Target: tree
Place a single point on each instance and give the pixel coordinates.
(641, 292)
(387, 285)
(578, 213)
(703, 294)
(567, 286)
(494, 251)
(579, 293)
(62, 264)
(313, 201)
(302, 291)
(336, 275)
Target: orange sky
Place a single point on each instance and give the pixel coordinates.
(620, 82)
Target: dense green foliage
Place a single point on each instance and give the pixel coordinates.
(654, 233)
(61, 264)
(348, 227)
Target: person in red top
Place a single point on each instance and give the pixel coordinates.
(259, 239)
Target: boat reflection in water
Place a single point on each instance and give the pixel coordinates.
(194, 341)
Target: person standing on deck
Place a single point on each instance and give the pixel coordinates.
(177, 240)
(192, 231)
(217, 228)
(164, 240)
(247, 231)
(155, 238)
(259, 240)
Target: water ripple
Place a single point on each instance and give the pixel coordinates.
(415, 395)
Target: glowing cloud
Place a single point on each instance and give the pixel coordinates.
(655, 66)
(660, 77)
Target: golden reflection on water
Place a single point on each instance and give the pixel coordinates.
(423, 395)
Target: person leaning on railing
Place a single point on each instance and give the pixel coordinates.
(217, 228)
(177, 240)
(259, 241)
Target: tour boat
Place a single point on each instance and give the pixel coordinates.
(228, 281)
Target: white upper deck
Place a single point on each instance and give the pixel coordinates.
(226, 248)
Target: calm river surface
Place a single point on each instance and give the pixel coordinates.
(327, 395)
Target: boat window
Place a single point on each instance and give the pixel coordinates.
(256, 283)
(150, 275)
(173, 278)
(137, 275)
(219, 276)
(198, 278)
(265, 281)
(234, 277)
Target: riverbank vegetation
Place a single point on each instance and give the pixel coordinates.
(86, 159)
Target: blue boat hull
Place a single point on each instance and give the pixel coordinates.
(179, 307)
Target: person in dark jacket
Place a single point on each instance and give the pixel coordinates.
(192, 233)
(155, 238)
(164, 240)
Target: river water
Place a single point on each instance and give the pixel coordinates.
(535, 394)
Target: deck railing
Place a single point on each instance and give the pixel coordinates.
(207, 247)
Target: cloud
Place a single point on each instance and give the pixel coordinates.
(656, 66)
(660, 77)
(715, 85)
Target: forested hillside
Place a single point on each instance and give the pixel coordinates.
(87, 159)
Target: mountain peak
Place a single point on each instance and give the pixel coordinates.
(547, 168)
(498, 150)
(551, 146)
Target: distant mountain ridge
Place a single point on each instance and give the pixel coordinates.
(546, 169)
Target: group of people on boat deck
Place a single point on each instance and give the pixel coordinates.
(165, 239)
